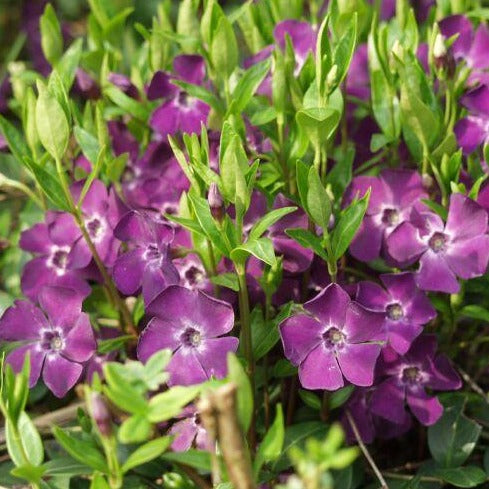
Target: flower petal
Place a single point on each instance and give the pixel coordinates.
(320, 370)
(60, 374)
(329, 306)
(357, 363)
(300, 334)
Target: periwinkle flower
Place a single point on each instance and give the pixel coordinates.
(393, 195)
(57, 336)
(406, 308)
(51, 249)
(180, 111)
(147, 264)
(191, 324)
(101, 211)
(192, 273)
(332, 340)
(473, 130)
(406, 379)
(459, 248)
(188, 431)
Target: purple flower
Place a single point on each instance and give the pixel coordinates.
(303, 39)
(52, 248)
(406, 379)
(191, 324)
(192, 273)
(147, 264)
(333, 338)
(86, 86)
(124, 84)
(189, 430)
(393, 195)
(406, 309)
(58, 337)
(102, 210)
(473, 131)
(469, 47)
(459, 248)
(180, 111)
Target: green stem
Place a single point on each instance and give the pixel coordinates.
(244, 310)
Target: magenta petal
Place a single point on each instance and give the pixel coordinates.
(62, 306)
(128, 271)
(388, 401)
(95, 200)
(80, 342)
(161, 86)
(458, 24)
(300, 334)
(362, 324)
(16, 360)
(296, 259)
(444, 376)
(469, 258)
(184, 432)
(403, 186)
(404, 245)
(427, 409)
(60, 374)
(372, 296)
(477, 100)
(320, 370)
(401, 334)
(466, 218)
(357, 362)
(401, 286)
(477, 57)
(185, 368)
(420, 310)
(165, 119)
(62, 228)
(158, 335)
(470, 133)
(359, 187)
(367, 243)
(23, 321)
(80, 255)
(213, 355)
(435, 274)
(190, 68)
(329, 306)
(36, 239)
(134, 226)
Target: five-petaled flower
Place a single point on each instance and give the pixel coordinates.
(191, 324)
(57, 336)
(335, 338)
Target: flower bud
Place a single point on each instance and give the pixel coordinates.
(216, 203)
(443, 57)
(101, 414)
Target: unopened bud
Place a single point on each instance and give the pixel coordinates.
(332, 74)
(101, 414)
(443, 57)
(216, 203)
(439, 48)
(427, 181)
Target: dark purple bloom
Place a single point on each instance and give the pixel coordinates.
(358, 78)
(188, 431)
(192, 273)
(406, 309)
(147, 264)
(191, 324)
(473, 130)
(406, 379)
(393, 195)
(180, 111)
(124, 83)
(332, 339)
(52, 248)
(58, 337)
(86, 86)
(459, 248)
(469, 47)
(102, 210)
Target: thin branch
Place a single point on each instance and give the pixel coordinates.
(365, 451)
(198, 480)
(476, 388)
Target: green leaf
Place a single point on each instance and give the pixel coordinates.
(15, 140)
(30, 442)
(237, 374)
(224, 48)
(201, 93)
(51, 38)
(186, 223)
(81, 450)
(474, 311)
(113, 344)
(453, 438)
(88, 143)
(264, 223)
(99, 482)
(310, 399)
(339, 397)
(52, 124)
(348, 225)
(309, 240)
(265, 334)
(168, 404)
(261, 248)
(207, 223)
(270, 448)
(193, 458)
(247, 86)
(229, 280)
(469, 476)
(233, 167)
(128, 104)
(318, 123)
(146, 452)
(66, 466)
(29, 473)
(69, 62)
(343, 51)
(318, 202)
(134, 429)
(50, 185)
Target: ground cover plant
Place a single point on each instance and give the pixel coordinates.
(244, 244)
